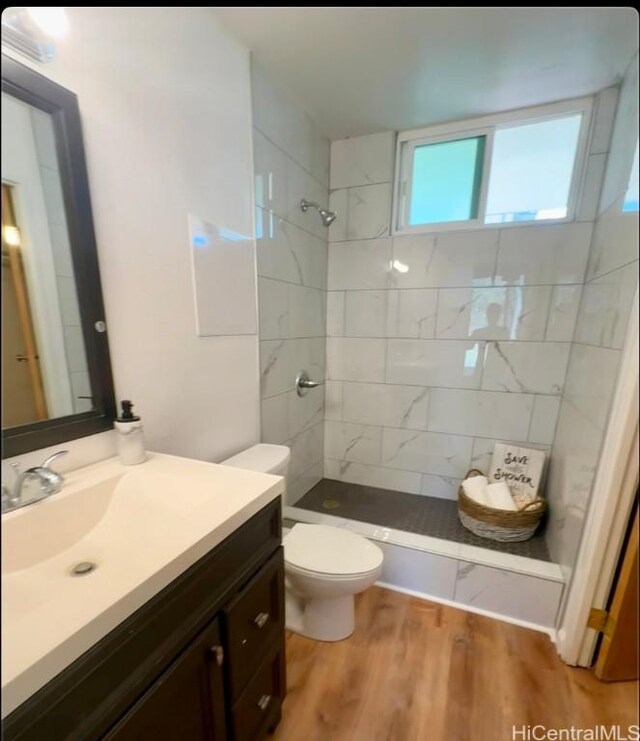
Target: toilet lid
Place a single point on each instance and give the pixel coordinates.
(330, 550)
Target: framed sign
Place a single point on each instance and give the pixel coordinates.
(520, 468)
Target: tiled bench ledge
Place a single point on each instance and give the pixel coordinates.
(516, 589)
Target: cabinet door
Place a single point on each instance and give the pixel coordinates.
(186, 702)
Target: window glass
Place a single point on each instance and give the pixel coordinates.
(446, 181)
(531, 170)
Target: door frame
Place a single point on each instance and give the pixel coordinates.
(608, 514)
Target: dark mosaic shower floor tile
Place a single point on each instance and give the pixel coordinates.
(411, 512)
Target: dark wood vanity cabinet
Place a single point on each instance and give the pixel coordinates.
(202, 661)
(186, 702)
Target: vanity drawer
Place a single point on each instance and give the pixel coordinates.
(255, 622)
(258, 708)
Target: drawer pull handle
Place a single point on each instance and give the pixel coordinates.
(261, 619)
(217, 653)
(264, 701)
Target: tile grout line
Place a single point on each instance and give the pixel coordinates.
(436, 287)
(290, 223)
(293, 159)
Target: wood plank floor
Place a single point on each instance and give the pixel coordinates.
(419, 671)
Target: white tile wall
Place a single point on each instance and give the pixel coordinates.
(525, 367)
(288, 253)
(624, 138)
(365, 160)
(335, 313)
(421, 363)
(368, 211)
(427, 452)
(400, 407)
(419, 571)
(516, 595)
(412, 313)
(444, 341)
(442, 487)
(368, 475)
(544, 417)
(445, 260)
(333, 400)
(365, 313)
(590, 200)
(615, 241)
(291, 162)
(350, 359)
(605, 307)
(350, 442)
(359, 264)
(480, 413)
(605, 115)
(494, 313)
(548, 255)
(446, 363)
(563, 313)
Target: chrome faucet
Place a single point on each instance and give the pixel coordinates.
(50, 482)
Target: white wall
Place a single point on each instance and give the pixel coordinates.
(164, 98)
(291, 163)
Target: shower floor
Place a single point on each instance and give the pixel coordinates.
(409, 512)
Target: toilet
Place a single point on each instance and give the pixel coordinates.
(325, 567)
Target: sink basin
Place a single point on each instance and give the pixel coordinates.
(54, 525)
(139, 527)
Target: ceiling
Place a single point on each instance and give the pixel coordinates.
(362, 70)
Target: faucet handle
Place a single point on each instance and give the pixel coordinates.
(51, 458)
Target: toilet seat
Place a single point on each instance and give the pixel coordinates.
(330, 552)
(328, 577)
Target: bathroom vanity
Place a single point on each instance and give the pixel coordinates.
(200, 652)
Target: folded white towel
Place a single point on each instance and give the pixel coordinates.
(474, 488)
(499, 497)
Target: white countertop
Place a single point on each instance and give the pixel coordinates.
(154, 521)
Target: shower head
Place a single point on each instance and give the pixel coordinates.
(328, 217)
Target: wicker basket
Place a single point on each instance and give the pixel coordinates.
(499, 524)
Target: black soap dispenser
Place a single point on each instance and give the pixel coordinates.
(130, 438)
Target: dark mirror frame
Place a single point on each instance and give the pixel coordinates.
(32, 88)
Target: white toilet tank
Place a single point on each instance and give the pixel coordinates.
(264, 457)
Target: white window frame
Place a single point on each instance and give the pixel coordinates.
(486, 126)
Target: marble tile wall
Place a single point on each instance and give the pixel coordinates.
(441, 344)
(291, 162)
(603, 315)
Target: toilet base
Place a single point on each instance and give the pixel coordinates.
(321, 618)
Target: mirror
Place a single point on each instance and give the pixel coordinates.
(56, 377)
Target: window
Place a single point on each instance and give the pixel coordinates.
(446, 177)
(523, 166)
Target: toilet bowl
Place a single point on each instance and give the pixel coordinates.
(325, 567)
